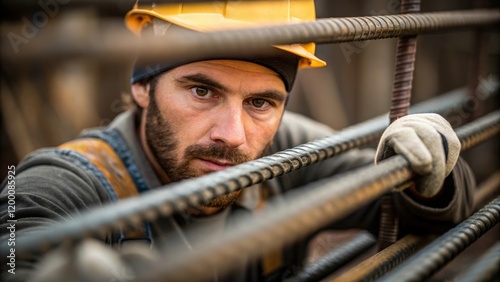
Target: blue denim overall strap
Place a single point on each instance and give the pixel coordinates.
(105, 154)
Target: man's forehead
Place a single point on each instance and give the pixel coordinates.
(230, 74)
(228, 65)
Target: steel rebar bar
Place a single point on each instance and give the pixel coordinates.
(113, 43)
(400, 104)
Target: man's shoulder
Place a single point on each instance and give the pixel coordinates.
(47, 173)
(48, 162)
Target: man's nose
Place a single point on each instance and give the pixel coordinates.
(229, 128)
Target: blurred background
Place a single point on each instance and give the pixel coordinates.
(48, 100)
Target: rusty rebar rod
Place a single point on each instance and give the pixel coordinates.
(283, 223)
(194, 191)
(427, 261)
(400, 104)
(405, 65)
(112, 43)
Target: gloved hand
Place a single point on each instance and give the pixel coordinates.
(429, 144)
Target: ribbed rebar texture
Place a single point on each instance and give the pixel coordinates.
(191, 192)
(389, 223)
(405, 65)
(442, 250)
(403, 77)
(469, 134)
(111, 44)
(400, 105)
(335, 259)
(485, 269)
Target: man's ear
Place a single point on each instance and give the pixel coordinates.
(140, 92)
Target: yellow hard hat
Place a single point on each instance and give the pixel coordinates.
(218, 15)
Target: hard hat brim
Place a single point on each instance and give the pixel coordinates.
(204, 22)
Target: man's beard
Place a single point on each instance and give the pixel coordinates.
(161, 140)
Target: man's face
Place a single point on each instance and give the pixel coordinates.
(206, 116)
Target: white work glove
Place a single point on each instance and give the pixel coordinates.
(419, 139)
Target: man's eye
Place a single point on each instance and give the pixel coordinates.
(200, 91)
(259, 103)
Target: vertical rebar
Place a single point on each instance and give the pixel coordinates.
(400, 104)
(405, 64)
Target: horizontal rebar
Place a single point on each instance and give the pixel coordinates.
(303, 211)
(116, 43)
(446, 247)
(469, 135)
(165, 200)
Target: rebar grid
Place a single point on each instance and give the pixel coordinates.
(323, 202)
(111, 44)
(442, 250)
(177, 196)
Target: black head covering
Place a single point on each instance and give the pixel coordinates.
(284, 63)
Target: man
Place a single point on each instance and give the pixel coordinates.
(203, 115)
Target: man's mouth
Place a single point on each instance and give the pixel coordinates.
(216, 165)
